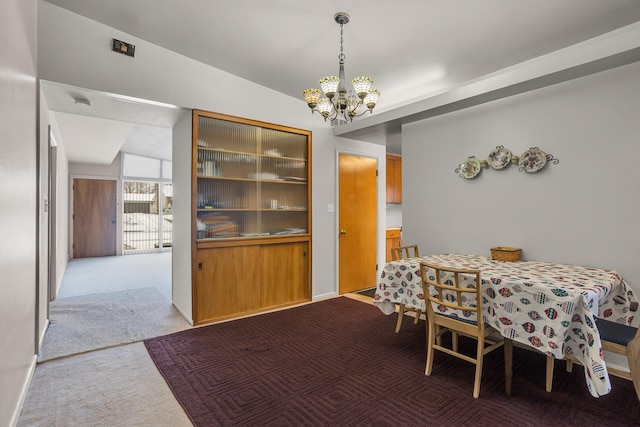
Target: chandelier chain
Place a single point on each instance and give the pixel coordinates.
(341, 56)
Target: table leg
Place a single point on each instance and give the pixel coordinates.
(508, 365)
(549, 377)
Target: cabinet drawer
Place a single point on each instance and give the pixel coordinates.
(392, 234)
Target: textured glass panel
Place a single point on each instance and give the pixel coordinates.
(252, 180)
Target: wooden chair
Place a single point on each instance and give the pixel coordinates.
(616, 338)
(403, 252)
(443, 287)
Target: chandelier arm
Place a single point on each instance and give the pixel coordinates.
(365, 111)
(330, 117)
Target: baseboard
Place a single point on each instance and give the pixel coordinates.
(183, 314)
(44, 331)
(323, 296)
(24, 391)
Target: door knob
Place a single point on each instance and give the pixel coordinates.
(343, 231)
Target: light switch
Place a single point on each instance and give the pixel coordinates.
(331, 207)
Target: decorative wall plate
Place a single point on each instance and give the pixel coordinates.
(499, 158)
(470, 168)
(533, 160)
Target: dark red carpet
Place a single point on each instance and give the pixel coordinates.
(338, 362)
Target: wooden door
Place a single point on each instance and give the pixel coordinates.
(357, 222)
(94, 218)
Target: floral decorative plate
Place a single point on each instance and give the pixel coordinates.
(499, 158)
(470, 168)
(532, 160)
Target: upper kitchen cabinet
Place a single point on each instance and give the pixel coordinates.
(394, 178)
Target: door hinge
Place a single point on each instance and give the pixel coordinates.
(376, 172)
(199, 266)
(376, 267)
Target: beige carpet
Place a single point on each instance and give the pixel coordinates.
(89, 322)
(119, 386)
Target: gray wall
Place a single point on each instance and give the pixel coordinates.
(18, 112)
(583, 210)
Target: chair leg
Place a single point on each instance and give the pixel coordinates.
(479, 360)
(454, 341)
(438, 336)
(569, 366)
(430, 342)
(400, 315)
(549, 379)
(415, 322)
(633, 357)
(508, 366)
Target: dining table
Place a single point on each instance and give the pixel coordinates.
(548, 306)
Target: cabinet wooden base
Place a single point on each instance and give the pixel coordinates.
(233, 281)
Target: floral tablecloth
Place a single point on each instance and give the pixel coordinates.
(550, 307)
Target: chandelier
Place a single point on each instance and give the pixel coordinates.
(344, 104)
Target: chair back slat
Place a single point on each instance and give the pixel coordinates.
(402, 252)
(453, 288)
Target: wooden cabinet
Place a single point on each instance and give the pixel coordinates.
(251, 216)
(250, 278)
(393, 240)
(394, 178)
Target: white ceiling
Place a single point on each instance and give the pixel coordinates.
(412, 48)
(95, 134)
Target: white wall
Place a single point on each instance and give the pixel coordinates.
(42, 251)
(161, 75)
(181, 240)
(583, 210)
(394, 216)
(61, 206)
(18, 114)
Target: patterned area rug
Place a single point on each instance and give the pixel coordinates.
(102, 320)
(338, 362)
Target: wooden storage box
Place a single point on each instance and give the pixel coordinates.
(503, 253)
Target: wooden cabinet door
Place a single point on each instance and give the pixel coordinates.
(391, 188)
(394, 178)
(284, 273)
(393, 241)
(226, 282)
(237, 280)
(398, 180)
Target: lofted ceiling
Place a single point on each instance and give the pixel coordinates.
(412, 48)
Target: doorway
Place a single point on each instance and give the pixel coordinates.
(357, 222)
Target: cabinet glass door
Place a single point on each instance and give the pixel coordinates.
(251, 180)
